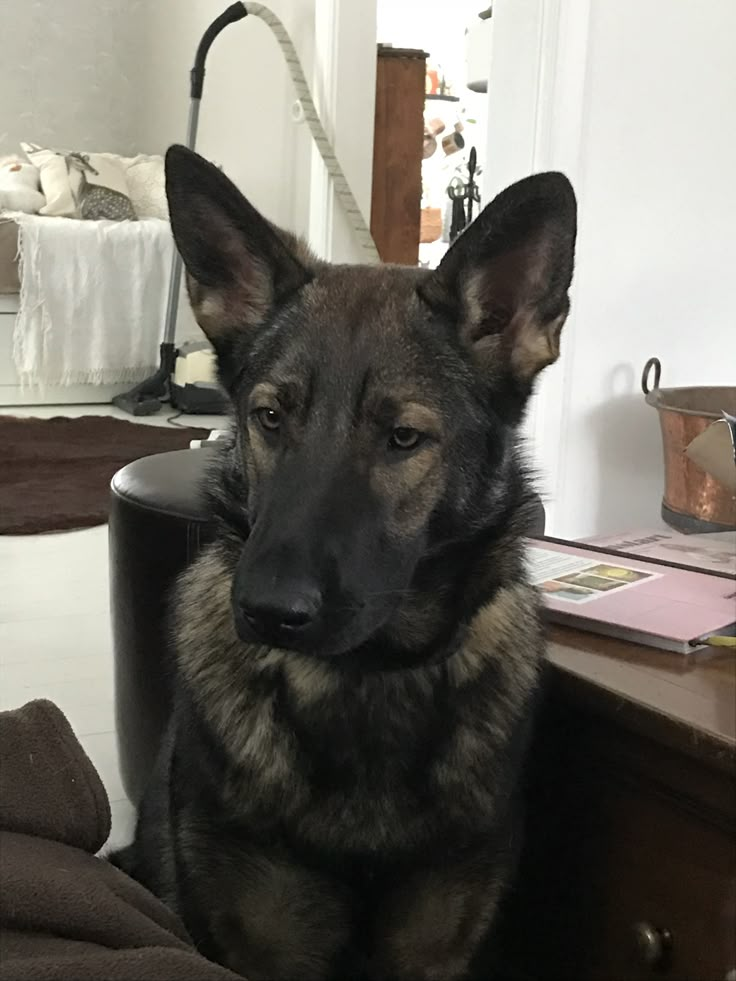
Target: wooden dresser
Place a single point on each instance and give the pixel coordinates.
(397, 153)
(629, 864)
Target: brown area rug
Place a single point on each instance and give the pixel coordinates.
(55, 473)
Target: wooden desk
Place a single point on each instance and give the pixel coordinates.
(629, 866)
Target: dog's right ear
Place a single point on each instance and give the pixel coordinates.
(505, 280)
(239, 266)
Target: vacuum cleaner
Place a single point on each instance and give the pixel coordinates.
(207, 397)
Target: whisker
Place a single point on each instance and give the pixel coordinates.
(393, 592)
(371, 598)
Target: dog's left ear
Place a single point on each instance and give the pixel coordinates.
(239, 266)
(505, 279)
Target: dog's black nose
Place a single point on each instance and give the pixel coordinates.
(285, 610)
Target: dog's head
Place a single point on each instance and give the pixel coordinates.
(375, 406)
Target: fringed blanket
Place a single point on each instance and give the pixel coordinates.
(92, 300)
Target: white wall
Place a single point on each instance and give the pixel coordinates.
(69, 73)
(635, 100)
(245, 121)
(440, 30)
(344, 91)
(114, 75)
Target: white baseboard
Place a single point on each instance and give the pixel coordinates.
(14, 395)
(9, 303)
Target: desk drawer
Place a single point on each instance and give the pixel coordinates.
(628, 871)
(667, 888)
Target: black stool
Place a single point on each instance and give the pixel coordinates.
(158, 523)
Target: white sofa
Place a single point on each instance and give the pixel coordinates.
(12, 393)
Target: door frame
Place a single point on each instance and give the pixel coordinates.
(539, 61)
(537, 118)
(344, 91)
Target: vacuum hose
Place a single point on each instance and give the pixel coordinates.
(342, 188)
(236, 12)
(146, 398)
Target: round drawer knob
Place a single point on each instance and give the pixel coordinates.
(652, 944)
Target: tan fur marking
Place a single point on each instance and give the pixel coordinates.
(528, 345)
(211, 309)
(244, 303)
(535, 346)
(503, 636)
(245, 723)
(264, 395)
(474, 309)
(259, 457)
(497, 631)
(415, 415)
(309, 679)
(410, 487)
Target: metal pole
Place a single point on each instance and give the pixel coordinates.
(146, 398)
(172, 302)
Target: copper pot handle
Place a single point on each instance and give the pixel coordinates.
(651, 363)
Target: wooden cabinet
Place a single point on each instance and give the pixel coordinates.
(667, 878)
(397, 154)
(629, 866)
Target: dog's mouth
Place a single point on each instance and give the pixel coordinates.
(333, 634)
(285, 636)
(314, 607)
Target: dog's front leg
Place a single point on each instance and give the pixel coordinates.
(432, 924)
(283, 922)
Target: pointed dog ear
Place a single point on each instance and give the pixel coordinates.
(505, 280)
(239, 266)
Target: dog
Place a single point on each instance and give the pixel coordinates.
(358, 651)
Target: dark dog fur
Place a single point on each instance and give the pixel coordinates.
(359, 650)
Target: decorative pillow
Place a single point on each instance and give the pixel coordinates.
(54, 181)
(147, 187)
(82, 185)
(20, 186)
(102, 189)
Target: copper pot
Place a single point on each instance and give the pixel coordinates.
(693, 500)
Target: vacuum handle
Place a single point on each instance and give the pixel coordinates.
(235, 11)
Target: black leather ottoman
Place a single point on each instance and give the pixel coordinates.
(158, 524)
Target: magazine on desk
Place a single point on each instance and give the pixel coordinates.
(632, 599)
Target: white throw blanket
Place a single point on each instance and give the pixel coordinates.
(92, 300)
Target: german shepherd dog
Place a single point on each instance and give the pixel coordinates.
(359, 649)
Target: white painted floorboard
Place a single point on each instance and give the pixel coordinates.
(55, 627)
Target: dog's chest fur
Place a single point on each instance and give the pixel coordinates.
(358, 763)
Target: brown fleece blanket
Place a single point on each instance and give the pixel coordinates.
(65, 914)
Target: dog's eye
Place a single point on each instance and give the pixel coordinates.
(270, 419)
(404, 438)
